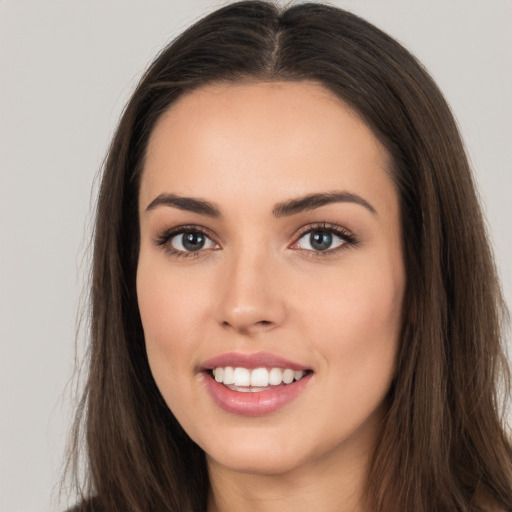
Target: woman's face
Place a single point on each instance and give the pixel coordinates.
(270, 278)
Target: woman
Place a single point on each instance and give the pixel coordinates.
(282, 315)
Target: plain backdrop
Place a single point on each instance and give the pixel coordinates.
(66, 70)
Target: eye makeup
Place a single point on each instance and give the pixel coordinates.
(193, 240)
(322, 239)
(316, 240)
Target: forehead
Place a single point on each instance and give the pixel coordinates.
(269, 138)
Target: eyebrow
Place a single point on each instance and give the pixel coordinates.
(189, 204)
(312, 201)
(283, 209)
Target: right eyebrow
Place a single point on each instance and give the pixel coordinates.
(189, 204)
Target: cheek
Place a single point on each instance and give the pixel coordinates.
(360, 318)
(172, 313)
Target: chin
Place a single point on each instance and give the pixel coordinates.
(264, 453)
(257, 461)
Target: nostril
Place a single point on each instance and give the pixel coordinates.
(248, 327)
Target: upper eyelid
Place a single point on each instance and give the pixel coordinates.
(327, 226)
(171, 232)
(348, 236)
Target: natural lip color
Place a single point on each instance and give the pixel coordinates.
(251, 361)
(254, 404)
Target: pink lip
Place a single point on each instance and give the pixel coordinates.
(253, 403)
(251, 361)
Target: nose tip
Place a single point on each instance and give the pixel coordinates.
(247, 320)
(251, 299)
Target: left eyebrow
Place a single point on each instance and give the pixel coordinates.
(312, 201)
(200, 206)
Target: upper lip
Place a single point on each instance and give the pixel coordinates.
(251, 361)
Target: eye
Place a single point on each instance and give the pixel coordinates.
(191, 241)
(323, 239)
(184, 241)
(319, 240)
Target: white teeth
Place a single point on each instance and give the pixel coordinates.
(259, 378)
(240, 379)
(218, 373)
(288, 376)
(229, 376)
(275, 376)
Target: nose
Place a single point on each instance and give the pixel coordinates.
(251, 298)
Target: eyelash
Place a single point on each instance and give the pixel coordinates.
(349, 240)
(165, 238)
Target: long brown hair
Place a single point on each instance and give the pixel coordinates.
(442, 445)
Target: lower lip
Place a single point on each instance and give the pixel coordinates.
(254, 403)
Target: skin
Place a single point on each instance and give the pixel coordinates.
(258, 287)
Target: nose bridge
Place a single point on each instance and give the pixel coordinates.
(250, 298)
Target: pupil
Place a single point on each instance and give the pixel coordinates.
(193, 241)
(320, 240)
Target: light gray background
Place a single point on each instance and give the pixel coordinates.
(66, 69)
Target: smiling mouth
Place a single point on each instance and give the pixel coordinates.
(255, 380)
